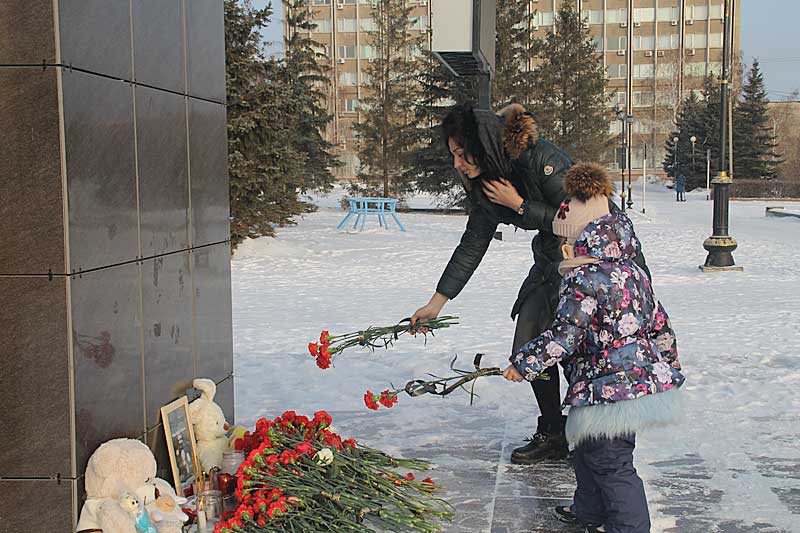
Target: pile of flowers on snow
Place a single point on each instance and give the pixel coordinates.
(329, 346)
(301, 476)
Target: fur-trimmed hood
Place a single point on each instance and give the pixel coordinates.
(519, 130)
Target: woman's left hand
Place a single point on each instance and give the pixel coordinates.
(502, 192)
(512, 374)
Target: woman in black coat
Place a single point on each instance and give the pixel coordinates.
(511, 177)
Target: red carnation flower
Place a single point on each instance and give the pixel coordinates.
(409, 476)
(323, 362)
(322, 419)
(323, 351)
(313, 348)
(369, 400)
(324, 337)
(387, 399)
(304, 447)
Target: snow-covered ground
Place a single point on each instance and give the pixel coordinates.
(734, 463)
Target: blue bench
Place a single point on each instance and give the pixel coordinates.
(361, 207)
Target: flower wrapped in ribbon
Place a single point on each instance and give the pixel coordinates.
(329, 346)
(438, 386)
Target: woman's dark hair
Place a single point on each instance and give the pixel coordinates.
(460, 124)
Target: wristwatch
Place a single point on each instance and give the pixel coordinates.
(522, 206)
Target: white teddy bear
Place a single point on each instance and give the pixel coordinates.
(122, 466)
(210, 427)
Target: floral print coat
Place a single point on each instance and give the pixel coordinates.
(610, 333)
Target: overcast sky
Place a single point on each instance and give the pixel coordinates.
(769, 32)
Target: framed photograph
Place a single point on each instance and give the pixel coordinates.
(180, 443)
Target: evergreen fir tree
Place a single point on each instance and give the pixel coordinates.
(679, 158)
(264, 164)
(430, 164)
(387, 130)
(309, 85)
(568, 86)
(755, 146)
(512, 53)
(711, 123)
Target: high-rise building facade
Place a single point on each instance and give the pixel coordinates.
(655, 50)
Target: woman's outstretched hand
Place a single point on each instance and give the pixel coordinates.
(502, 192)
(430, 310)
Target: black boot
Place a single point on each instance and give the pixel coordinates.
(548, 443)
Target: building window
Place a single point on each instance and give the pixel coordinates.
(348, 79)
(667, 71)
(598, 43)
(714, 68)
(643, 71)
(368, 24)
(644, 14)
(696, 12)
(665, 98)
(543, 18)
(420, 23)
(644, 42)
(668, 42)
(366, 79)
(643, 99)
(696, 40)
(617, 71)
(617, 99)
(715, 12)
(642, 126)
(615, 127)
(351, 105)
(697, 69)
(667, 14)
(367, 51)
(617, 15)
(322, 26)
(715, 40)
(617, 43)
(594, 16)
(320, 2)
(346, 25)
(346, 51)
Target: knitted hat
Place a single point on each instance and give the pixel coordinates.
(588, 187)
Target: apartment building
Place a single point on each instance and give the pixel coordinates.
(656, 50)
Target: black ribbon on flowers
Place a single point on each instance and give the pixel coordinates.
(443, 386)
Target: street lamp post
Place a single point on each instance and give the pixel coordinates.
(629, 122)
(674, 154)
(720, 245)
(621, 117)
(694, 140)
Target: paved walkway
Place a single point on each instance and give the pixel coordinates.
(491, 495)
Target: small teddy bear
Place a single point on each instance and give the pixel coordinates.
(210, 427)
(133, 506)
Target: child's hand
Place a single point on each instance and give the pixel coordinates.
(512, 374)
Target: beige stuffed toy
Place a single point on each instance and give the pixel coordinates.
(116, 468)
(210, 427)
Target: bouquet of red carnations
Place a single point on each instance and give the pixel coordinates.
(301, 476)
(329, 346)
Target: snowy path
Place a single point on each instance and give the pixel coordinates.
(734, 465)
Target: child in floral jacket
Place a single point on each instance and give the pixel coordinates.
(616, 344)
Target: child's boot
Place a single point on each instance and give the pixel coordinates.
(547, 444)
